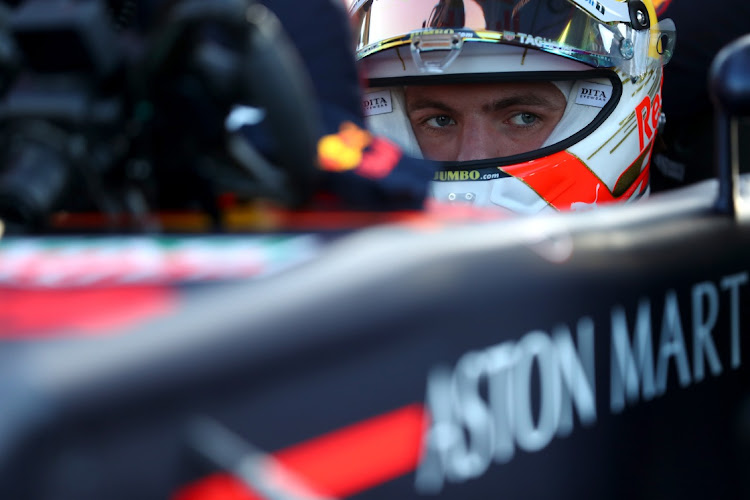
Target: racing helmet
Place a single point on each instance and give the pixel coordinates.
(596, 65)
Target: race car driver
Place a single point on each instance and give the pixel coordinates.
(529, 105)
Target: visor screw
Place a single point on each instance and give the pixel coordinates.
(641, 18)
(451, 196)
(626, 49)
(469, 196)
(455, 40)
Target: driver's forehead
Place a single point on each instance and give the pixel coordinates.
(460, 96)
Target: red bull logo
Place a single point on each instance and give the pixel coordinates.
(353, 148)
(647, 113)
(343, 150)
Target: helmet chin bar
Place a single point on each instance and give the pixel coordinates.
(429, 44)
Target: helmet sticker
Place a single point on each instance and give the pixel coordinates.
(483, 174)
(377, 103)
(605, 10)
(593, 94)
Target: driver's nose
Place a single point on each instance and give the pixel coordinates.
(478, 141)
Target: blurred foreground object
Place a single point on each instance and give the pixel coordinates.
(128, 115)
(128, 120)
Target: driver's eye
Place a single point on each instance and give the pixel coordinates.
(524, 120)
(440, 121)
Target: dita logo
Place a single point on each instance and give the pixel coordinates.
(598, 95)
(377, 103)
(593, 94)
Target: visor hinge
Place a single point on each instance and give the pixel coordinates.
(639, 18)
(433, 52)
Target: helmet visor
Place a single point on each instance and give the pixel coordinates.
(558, 27)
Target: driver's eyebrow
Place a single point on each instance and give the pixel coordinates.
(520, 100)
(496, 105)
(425, 103)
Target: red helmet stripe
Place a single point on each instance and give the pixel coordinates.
(562, 180)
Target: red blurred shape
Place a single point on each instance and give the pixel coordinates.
(41, 313)
(338, 464)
